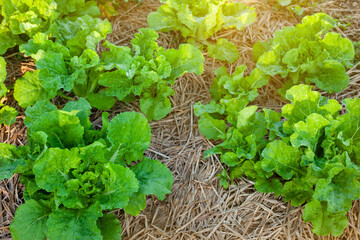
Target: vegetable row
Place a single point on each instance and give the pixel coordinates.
(307, 153)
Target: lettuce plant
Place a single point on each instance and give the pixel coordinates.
(199, 20)
(22, 19)
(307, 53)
(73, 174)
(71, 63)
(308, 153)
(7, 114)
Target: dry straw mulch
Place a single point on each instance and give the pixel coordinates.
(198, 207)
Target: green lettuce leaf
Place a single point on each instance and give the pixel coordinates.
(250, 122)
(268, 186)
(52, 170)
(8, 115)
(36, 111)
(79, 34)
(144, 43)
(238, 15)
(100, 100)
(137, 203)
(348, 128)
(119, 85)
(331, 76)
(129, 134)
(308, 134)
(212, 128)
(154, 178)
(298, 191)
(283, 159)
(29, 89)
(78, 7)
(8, 40)
(30, 220)
(186, 59)
(110, 227)
(120, 183)
(75, 224)
(157, 107)
(324, 222)
(304, 102)
(339, 190)
(223, 50)
(2, 70)
(62, 128)
(119, 57)
(39, 45)
(9, 159)
(83, 109)
(54, 74)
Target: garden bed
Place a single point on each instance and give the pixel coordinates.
(198, 207)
